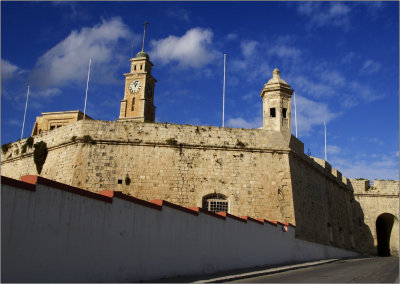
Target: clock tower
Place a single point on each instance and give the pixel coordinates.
(139, 90)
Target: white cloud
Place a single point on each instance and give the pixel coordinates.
(348, 58)
(9, 70)
(383, 167)
(323, 14)
(193, 49)
(363, 92)
(179, 13)
(376, 140)
(240, 122)
(46, 93)
(232, 36)
(333, 78)
(284, 51)
(68, 61)
(370, 67)
(310, 114)
(14, 122)
(332, 149)
(248, 47)
(312, 87)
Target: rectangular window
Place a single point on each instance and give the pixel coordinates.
(217, 205)
(284, 113)
(272, 112)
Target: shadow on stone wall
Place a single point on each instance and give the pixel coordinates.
(325, 210)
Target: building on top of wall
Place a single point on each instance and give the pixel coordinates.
(52, 120)
(263, 173)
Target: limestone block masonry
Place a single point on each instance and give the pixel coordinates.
(262, 173)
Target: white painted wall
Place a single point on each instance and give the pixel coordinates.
(52, 235)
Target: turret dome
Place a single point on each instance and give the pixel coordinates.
(142, 54)
(276, 78)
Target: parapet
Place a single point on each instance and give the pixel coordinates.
(332, 172)
(380, 187)
(360, 185)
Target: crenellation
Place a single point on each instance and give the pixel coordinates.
(263, 173)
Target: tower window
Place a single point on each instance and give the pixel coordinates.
(133, 104)
(215, 203)
(134, 67)
(272, 112)
(141, 66)
(284, 112)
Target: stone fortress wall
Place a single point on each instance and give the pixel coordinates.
(261, 173)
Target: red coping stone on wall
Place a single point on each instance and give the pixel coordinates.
(274, 223)
(286, 224)
(107, 192)
(161, 202)
(120, 195)
(51, 183)
(18, 183)
(252, 219)
(199, 209)
(225, 214)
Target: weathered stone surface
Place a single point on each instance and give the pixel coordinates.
(265, 178)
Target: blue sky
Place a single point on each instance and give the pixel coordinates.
(341, 58)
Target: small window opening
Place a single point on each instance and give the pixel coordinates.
(215, 203)
(133, 104)
(141, 66)
(134, 67)
(120, 181)
(52, 127)
(58, 126)
(272, 112)
(284, 112)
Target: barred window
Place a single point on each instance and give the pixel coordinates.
(215, 203)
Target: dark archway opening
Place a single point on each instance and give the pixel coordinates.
(384, 225)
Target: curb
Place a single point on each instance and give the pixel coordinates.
(266, 271)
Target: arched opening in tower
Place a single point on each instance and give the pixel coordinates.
(384, 228)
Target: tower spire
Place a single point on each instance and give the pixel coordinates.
(144, 33)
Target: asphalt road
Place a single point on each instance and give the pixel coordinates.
(361, 270)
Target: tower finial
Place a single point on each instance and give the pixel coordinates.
(144, 33)
(275, 73)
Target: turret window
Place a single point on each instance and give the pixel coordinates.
(272, 112)
(284, 112)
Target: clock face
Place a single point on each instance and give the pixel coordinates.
(135, 86)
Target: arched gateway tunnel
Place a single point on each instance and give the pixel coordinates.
(387, 234)
(380, 206)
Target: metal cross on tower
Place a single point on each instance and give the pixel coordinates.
(144, 33)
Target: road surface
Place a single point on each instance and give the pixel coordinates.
(361, 270)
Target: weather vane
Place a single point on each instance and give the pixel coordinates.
(144, 33)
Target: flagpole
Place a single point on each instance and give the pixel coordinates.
(26, 105)
(223, 96)
(87, 86)
(295, 114)
(326, 158)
